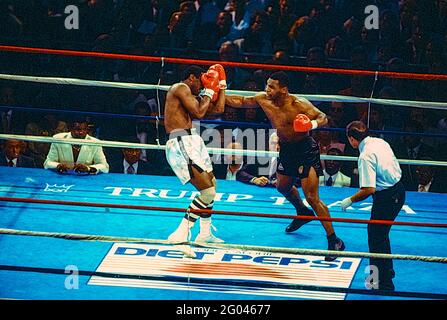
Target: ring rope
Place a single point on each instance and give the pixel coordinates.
(429, 105)
(311, 97)
(311, 252)
(135, 116)
(251, 125)
(221, 151)
(400, 75)
(249, 214)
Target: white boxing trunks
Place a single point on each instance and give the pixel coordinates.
(185, 149)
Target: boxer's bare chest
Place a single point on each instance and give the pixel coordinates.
(281, 118)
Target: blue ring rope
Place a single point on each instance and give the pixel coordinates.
(217, 122)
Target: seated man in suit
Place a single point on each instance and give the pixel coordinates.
(332, 175)
(80, 158)
(131, 163)
(263, 172)
(231, 164)
(250, 174)
(13, 155)
(429, 180)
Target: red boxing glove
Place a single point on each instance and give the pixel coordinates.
(302, 123)
(222, 75)
(210, 81)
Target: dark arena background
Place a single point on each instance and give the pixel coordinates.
(90, 194)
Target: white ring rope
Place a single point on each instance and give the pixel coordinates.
(221, 151)
(313, 252)
(311, 97)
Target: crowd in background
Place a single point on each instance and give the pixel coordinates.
(318, 33)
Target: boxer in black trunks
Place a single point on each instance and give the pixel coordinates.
(299, 154)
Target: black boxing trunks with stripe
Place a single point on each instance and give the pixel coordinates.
(296, 158)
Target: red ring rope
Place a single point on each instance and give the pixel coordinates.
(400, 75)
(264, 215)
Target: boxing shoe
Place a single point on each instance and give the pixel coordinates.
(179, 235)
(298, 223)
(205, 234)
(334, 244)
(182, 233)
(209, 238)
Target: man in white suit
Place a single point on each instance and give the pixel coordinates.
(80, 158)
(331, 173)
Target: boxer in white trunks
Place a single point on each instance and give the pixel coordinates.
(185, 150)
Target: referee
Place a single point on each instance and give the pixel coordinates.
(379, 176)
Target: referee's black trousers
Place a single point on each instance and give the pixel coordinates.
(386, 206)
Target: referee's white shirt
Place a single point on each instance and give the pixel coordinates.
(378, 166)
